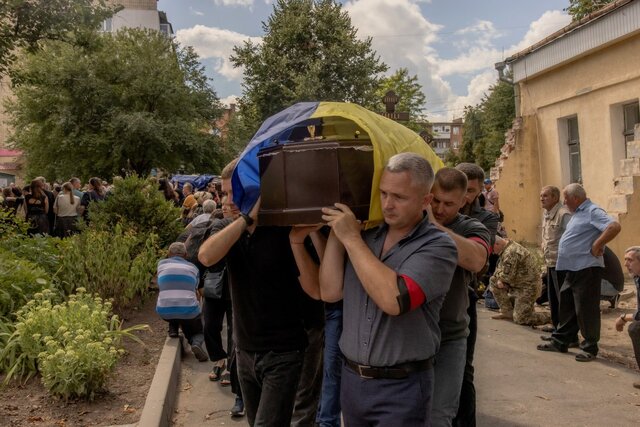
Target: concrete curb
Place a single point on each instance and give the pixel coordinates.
(158, 408)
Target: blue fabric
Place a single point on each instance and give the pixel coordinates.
(329, 408)
(585, 226)
(199, 182)
(177, 312)
(246, 176)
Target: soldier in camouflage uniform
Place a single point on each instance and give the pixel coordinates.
(517, 276)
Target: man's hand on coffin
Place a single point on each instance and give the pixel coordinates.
(343, 222)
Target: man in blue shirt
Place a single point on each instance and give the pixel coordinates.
(580, 257)
(632, 262)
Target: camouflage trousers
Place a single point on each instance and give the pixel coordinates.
(521, 308)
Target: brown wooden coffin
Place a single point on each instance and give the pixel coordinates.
(298, 179)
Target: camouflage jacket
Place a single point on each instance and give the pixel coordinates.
(516, 266)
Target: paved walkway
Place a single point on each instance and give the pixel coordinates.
(517, 386)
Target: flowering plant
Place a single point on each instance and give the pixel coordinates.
(74, 345)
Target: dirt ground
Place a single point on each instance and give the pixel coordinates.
(31, 405)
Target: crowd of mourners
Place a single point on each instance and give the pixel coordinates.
(53, 208)
(322, 320)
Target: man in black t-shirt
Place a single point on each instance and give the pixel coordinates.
(475, 176)
(472, 240)
(267, 320)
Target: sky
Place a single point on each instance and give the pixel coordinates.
(451, 45)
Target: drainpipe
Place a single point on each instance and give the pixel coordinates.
(501, 66)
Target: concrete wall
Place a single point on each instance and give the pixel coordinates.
(519, 185)
(136, 18)
(593, 89)
(630, 222)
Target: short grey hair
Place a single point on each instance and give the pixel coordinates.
(635, 250)
(177, 249)
(575, 190)
(209, 206)
(417, 166)
(555, 191)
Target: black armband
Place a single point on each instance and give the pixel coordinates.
(404, 299)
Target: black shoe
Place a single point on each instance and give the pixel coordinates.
(613, 302)
(547, 328)
(199, 352)
(173, 330)
(551, 347)
(546, 338)
(575, 344)
(238, 408)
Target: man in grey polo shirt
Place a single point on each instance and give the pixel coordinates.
(580, 256)
(393, 285)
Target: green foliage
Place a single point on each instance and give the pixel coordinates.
(45, 252)
(117, 265)
(578, 9)
(412, 98)
(135, 204)
(19, 281)
(24, 23)
(486, 124)
(310, 52)
(83, 111)
(11, 225)
(75, 344)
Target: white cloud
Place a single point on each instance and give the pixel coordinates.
(231, 99)
(195, 12)
(215, 43)
(402, 37)
(550, 22)
(243, 3)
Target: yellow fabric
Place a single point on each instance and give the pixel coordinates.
(387, 137)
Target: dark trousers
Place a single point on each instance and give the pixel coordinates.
(580, 309)
(269, 383)
(467, 408)
(554, 282)
(308, 394)
(213, 312)
(386, 402)
(191, 328)
(634, 333)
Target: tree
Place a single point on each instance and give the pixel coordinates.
(412, 99)
(24, 23)
(486, 124)
(120, 103)
(578, 9)
(310, 52)
(498, 112)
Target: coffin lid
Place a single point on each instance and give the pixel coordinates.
(387, 137)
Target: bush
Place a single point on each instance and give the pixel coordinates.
(75, 345)
(20, 279)
(45, 252)
(136, 204)
(117, 265)
(10, 225)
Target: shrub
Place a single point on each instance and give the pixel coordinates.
(20, 279)
(43, 251)
(75, 344)
(136, 204)
(117, 265)
(10, 225)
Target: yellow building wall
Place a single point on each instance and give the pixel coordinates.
(519, 185)
(593, 89)
(630, 222)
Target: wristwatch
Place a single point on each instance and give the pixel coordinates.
(247, 219)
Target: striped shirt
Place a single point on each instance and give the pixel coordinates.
(178, 280)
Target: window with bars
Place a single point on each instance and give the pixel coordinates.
(631, 117)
